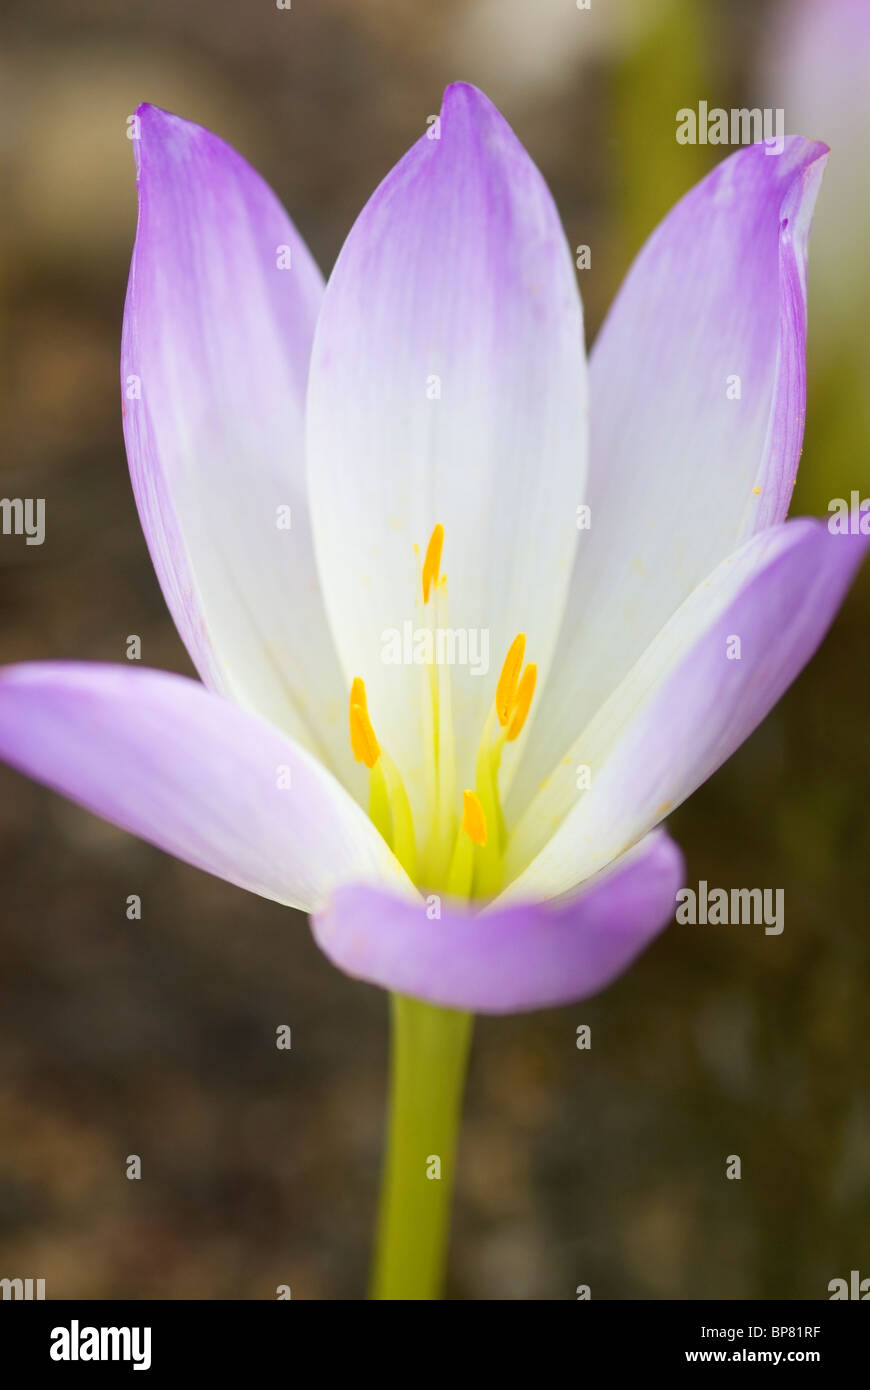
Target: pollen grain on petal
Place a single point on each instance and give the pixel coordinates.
(506, 690)
(522, 704)
(473, 818)
(432, 560)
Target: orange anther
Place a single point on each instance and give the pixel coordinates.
(506, 690)
(362, 735)
(525, 691)
(473, 818)
(432, 560)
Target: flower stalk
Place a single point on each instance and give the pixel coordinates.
(429, 1058)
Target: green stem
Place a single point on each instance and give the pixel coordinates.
(429, 1060)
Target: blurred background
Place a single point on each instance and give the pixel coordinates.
(157, 1037)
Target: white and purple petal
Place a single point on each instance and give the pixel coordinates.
(192, 773)
(699, 690)
(448, 385)
(697, 396)
(507, 959)
(221, 306)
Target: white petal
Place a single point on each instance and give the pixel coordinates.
(448, 385)
(217, 337)
(703, 685)
(697, 387)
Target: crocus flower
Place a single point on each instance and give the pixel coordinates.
(297, 536)
(335, 481)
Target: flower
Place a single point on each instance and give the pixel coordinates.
(311, 464)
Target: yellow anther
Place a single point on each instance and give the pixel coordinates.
(362, 735)
(525, 691)
(506, 690)
(473, 819)
(358, 694)
(432, 560)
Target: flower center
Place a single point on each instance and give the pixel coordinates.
(462, 853)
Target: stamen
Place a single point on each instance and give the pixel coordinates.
(506, 690)
(362, 736)
(467, 857)
(404, 841)
(473, 819)
(523, 701)
(380, 813)
(487, 876)
(437, 722)
(432, 561)
(513, 699)
(460, 876)
(389, 807)
(359, 697)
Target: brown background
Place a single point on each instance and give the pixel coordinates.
(157, 1038)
